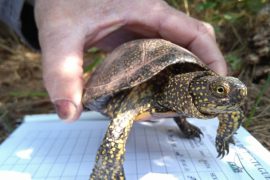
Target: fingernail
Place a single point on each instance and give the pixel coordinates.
(65, 109)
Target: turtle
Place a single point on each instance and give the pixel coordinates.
(153, 78)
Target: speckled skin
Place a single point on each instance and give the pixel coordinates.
(168, 81)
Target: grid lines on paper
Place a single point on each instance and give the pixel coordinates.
(67, 151)
(61, 153)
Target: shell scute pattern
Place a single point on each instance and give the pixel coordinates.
(129, 61)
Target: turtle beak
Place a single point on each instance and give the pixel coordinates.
(243, 92)
(238, 96)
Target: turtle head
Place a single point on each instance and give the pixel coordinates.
(215, 94)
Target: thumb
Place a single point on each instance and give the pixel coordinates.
(62, 71)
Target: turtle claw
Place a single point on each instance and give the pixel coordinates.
(222, 146)
(192, 131)
(231, 140)
(188, 129)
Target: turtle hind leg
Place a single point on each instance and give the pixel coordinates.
(189, 130)
(109, 170)
(111, 153)
(109, 161)
(110, 156)
(123, 110)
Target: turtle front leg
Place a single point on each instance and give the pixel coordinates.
(110, 156)
(228, 124)
(189, 130)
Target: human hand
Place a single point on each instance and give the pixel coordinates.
(66, 28)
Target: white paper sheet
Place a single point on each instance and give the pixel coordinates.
(45, 148)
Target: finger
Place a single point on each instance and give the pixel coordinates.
(62, 71)
(116, 38)
(175, 26)
(195, 35)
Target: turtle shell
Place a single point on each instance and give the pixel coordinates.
(134, 63)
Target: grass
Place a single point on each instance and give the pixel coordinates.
(259, 97)
(96, 61)
(93, 57)
(4, 121)
(234, 60)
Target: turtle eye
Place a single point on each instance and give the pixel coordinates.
(220, 90)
